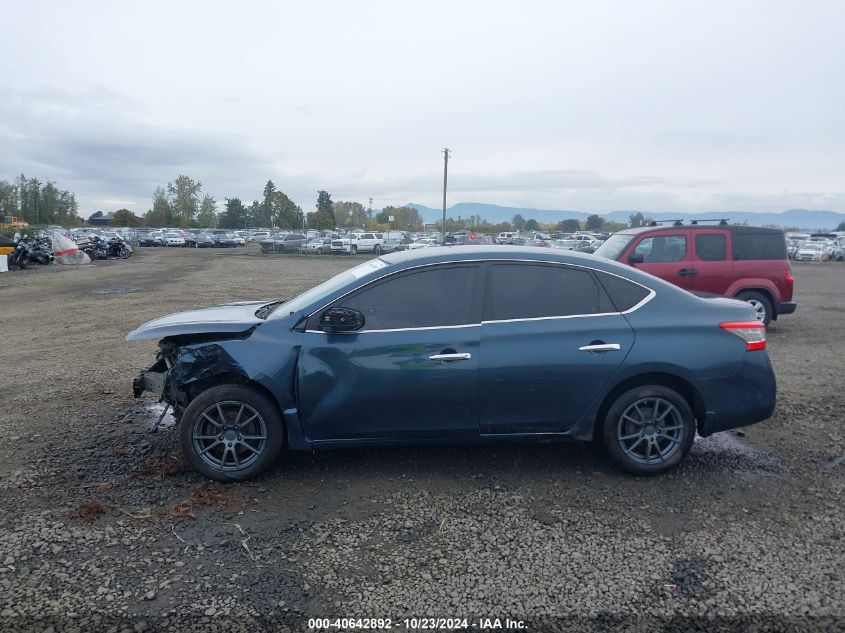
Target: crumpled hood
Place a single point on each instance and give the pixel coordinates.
(227, 318)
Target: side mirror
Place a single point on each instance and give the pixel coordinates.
(341, 320)
(635, 259)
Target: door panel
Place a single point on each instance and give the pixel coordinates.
(712, 261)
(534, 379)
(533, 376)
(383, 385)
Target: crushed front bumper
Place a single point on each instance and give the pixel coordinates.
(152, 379)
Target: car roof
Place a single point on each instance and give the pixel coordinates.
(733, 228)
(441, 254)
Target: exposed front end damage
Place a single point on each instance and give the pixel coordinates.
(182, 369)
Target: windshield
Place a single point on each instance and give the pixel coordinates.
(614, 246)
(328, 287)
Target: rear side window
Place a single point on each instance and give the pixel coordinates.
(624, 294)
(747, 245)
(711, 247)
(528, 291)
(662, 248)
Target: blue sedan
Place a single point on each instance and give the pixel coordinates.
(444, 345)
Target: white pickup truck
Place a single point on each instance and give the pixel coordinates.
(358, 243)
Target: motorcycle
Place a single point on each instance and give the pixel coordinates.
(116, 247)
(95, 248)
(41, 251)
(98, 248)
(20, 256)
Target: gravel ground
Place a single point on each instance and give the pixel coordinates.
(104, 529)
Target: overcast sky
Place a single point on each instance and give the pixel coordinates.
(588, 105)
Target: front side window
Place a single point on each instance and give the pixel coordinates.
(529, 291)
(661, 249)
(434, 297)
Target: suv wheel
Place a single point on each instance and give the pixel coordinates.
(231, 432)
(376, 250)
(761, 304)
(649, 429)
(353, 250)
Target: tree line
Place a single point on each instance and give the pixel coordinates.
(38, 203)
(182, 203)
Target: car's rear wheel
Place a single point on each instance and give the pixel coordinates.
(649, 429)
(353, 250)
(376, 250)
(231, 432)
(761, 304)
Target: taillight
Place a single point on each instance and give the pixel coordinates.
(790, 279)
(752, 332)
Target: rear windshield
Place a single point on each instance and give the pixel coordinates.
(747, 245)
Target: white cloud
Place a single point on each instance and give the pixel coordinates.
(591, 106)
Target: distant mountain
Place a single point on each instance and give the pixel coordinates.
(495, 214)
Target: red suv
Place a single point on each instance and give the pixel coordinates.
(745, 262)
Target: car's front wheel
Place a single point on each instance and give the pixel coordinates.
(649, 429)
(231, 432)
(353, 250)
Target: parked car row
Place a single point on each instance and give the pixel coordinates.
(816, 247)
(190, 238)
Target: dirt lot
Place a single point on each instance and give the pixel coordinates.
(103, 529)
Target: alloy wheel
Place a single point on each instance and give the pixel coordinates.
(759, 309)
(229, 435)
(650, 431)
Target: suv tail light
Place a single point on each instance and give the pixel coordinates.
(752, 332)
(790, 279)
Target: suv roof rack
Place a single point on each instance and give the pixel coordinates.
(674, 222)
(721, 221)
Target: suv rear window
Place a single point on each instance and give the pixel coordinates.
(748, 245)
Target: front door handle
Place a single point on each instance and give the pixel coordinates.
(456, 356)
(603, 347)
(687, 272)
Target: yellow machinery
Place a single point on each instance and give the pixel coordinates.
(14, 222)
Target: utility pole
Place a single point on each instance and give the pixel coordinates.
(446, 152)
(369, 210)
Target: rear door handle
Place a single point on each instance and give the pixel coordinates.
(603, 347)
(457, 356)
(687, 272)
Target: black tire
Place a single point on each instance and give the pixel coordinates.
(319, 250)
(234, 395)
(761, 303)
(376, 250)
(124, 253)
(617, 428)
(353, 250)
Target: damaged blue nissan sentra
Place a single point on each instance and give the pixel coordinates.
(448, 345)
